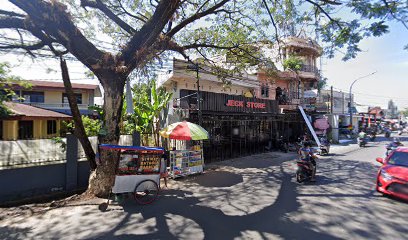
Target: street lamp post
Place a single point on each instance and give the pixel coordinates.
(351, 100)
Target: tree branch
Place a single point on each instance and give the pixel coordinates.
(393, 14)
(27, 48)
(51, 18)
(79, 129)
(141, 18)
(11, 14)
(196, 16)
(274, 25)
(150, 32)
(205, 45)
(12, 22)
(331, 2)
(326, 13)
(103, 8)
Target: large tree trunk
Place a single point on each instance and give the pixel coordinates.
(76, 115)
(102, 179)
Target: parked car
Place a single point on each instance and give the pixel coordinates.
(392, 178)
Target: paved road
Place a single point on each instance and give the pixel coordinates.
(249, 198)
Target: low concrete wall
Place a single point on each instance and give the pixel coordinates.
(20, 183)
(59, 171)
(36, 152)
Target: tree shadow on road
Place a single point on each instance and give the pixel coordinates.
(214, 224)
(8, 232)
(342, 204)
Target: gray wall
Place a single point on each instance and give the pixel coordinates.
(29, 180)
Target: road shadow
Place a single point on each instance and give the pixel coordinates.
(216, 179)
(214, 224)
(13, 233)
(341, 204)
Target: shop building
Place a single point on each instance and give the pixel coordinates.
(252, 112)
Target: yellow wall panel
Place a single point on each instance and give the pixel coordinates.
(52, 97)
(37, 131)
(10, 129)
(85, 98)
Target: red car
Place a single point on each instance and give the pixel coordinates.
(392, 177)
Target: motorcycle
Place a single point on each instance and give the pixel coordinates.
(404, 130)
(372, 137)
(304, 171)
(387, 133)
(282, 145)
(324, 146)
(362, 142)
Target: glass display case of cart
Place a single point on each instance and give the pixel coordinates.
(139, 162)
(186, 162)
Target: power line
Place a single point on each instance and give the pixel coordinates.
(372, 95)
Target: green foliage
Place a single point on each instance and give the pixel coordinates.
(321, 84)
(242, 22)
(148, 102)
(293, 63)
(62, 143)
(92, 126)
(404, 112)
(97, 109)
(6, 92)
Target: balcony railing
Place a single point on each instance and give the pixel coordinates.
(309, 68)
(294, 100)
(55, 105)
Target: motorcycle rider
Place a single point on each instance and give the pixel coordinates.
(387, 131)
(362, 134)
(396, 142)
(361, 138)
(307, 154)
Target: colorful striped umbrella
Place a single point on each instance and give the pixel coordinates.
(184, 131)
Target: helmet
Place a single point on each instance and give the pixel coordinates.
(396, 140)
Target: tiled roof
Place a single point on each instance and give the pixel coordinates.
(24, 110)
(51, 84)
(376, 111)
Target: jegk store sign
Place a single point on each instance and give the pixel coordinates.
(235, 103)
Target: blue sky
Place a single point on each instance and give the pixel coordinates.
(384, 55)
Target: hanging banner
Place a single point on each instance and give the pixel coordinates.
(309, 125)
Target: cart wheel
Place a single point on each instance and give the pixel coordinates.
(103, 207)
(146, 192)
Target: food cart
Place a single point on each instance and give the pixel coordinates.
(138, 172)
(185, 162)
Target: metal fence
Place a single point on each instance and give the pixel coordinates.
(35, 175)
(26, 153)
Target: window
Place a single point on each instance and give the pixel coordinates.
(33, 97)
(399, 159)
(78, 98)
(265, 91)
(51, 127)
(25, 129)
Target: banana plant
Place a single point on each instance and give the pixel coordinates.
(148, 102)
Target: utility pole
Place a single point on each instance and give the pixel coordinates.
(200, 117)
(331, 100)
(351, 100)
(195, 67)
